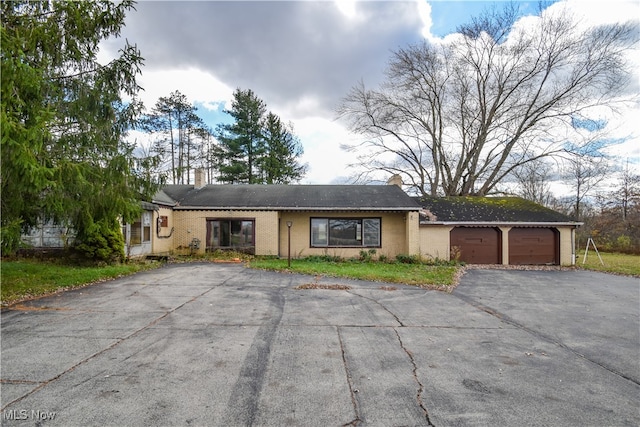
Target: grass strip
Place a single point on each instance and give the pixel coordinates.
(423, 275)
(23, 279)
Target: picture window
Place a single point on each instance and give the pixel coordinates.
(345, 232)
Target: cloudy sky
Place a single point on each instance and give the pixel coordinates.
(301, 57)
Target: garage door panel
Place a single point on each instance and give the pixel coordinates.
(533, 246)
(477, 245)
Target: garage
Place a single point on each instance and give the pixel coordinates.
(477, 245)
(534, 246)
(495, 230)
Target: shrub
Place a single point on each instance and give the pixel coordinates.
(323, 258)
(623, 243)
(102, 241)
(367, 256)
(408, 259)
(10, 234)
(455, 253)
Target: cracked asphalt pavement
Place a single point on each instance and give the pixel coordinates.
(223, 345)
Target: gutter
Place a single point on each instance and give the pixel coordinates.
(164, 204)
(502, 223)
(296, 208)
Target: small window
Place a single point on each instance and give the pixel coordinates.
(164, 221)
(319, 232)
(146, 234)
(146, 226)
(345, 232)
(136, 233)
(371, 232)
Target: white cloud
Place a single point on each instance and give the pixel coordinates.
(424, 11)
(347, 8)
(321, 139)
(603, 12)
(198, 86)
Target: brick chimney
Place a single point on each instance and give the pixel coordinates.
(200, 178)
(395, 179)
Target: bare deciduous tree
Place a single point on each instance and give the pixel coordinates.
(457, 117)
(534, 182)
(583, 174)
(626, 193)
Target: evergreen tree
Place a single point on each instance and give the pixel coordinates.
(282, 149)
(242, 142)
(257, 148)
(63, 122)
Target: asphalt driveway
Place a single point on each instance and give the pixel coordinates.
(215, 344)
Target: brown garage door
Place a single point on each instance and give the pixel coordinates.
(477, 245)
(533, 246)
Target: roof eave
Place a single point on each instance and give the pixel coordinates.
(298, 208)
(149, 206)
(505, 223)
(164, 204)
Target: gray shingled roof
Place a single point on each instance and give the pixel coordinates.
(163, 198)
(291, 197)
(486, 209)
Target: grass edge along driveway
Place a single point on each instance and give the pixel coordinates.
(440, 277)
(26, 278)
(23, 279)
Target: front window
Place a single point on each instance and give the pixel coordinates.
(141, 230)
(146, 227)
(230, 234)
(341, 232)
(136, 233)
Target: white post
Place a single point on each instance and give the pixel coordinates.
(586, 250)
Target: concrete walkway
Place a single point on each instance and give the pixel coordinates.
(222, 345)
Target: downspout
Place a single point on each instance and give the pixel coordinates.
(158, 229)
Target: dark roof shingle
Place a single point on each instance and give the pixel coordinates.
(297, 197)
(486, 209)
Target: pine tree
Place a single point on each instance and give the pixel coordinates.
(257, 148)
(282, 149)
(63, 123)
(242, 142)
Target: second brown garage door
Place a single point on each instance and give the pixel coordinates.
(477, 245)
(533, 246)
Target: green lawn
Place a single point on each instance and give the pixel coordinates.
(442, 277)
(20, 279)
(613, 263)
